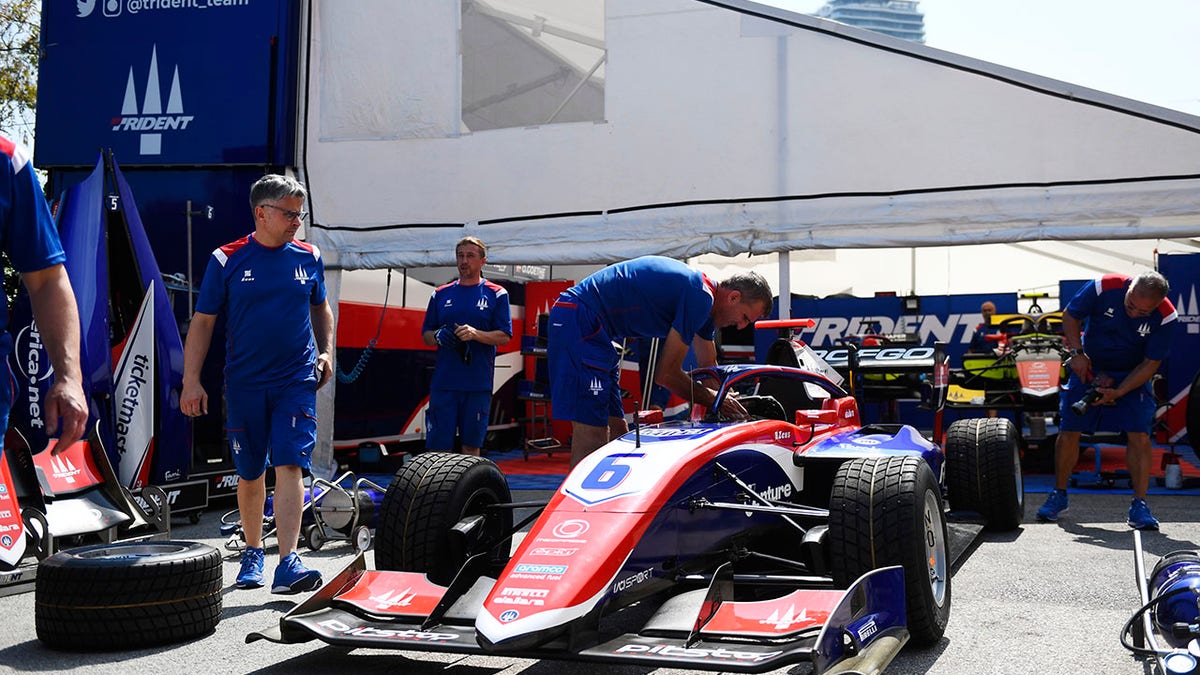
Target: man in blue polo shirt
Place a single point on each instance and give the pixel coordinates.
(35, 251)
(278, 352)
(645, 297)
(466, 320)
(1118, 330)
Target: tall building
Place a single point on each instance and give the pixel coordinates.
(898, 18)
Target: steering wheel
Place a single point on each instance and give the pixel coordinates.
(763, 407)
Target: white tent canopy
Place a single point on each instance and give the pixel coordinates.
(688, 127)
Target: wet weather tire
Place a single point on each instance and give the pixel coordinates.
(426, 499)
(127, 595)
(983, 471)
(887, 511)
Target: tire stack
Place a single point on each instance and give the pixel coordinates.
(127, 595)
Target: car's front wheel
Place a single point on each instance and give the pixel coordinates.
(887, 511)
(426, 499)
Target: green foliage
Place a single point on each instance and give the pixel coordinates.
(20, 28)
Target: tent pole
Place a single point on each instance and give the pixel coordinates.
(785, 285)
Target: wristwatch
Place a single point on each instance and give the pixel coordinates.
(1076, 352)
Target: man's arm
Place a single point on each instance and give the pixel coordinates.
(1135, 379)
(322, 323)
(57, 319)
(1081, 364)
(706, 351)
(193, 400)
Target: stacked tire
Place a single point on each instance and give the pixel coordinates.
(127, 595)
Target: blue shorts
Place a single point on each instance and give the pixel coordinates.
(464, 411)
(278, 426)
(584, 368)
(1133, 412)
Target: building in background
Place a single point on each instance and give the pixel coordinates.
(898, 18)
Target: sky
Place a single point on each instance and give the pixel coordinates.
(1147, 50)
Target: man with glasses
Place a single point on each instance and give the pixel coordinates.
(1118, 330)
(279, 351)
(646, 297)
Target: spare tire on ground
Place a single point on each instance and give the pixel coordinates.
(127, 595)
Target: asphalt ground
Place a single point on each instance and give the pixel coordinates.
(1047, 598)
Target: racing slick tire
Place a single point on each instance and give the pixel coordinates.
(426, 499)
(983, 470)
(127, 595)
(887, 511)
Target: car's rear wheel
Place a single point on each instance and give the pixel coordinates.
(887, 511)
(983, 470)
(426, 499)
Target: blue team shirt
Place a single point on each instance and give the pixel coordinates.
(1113, 340)
(647, 297)
(485, 306)
(265, 294)
(27, 230)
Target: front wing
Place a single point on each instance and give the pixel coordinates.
(859, 629)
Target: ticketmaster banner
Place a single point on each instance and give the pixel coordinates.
(167, 82)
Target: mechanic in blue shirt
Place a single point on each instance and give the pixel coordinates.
(31, 241)
(279, 351)
(1118, 330)
(466, 320)
(979, 342)
(645, 297)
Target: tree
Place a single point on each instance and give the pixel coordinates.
(20, 29)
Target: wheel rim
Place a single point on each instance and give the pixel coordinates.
(138, 550)
(936, 559)
(362, 538)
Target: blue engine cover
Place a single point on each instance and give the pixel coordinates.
(881, 440)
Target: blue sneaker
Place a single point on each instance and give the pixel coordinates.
(1139, 516)
(1055, 504)
(293, 577)
(251, 574)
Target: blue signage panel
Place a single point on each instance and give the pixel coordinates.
(167, 82)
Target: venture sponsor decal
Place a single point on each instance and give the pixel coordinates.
(134, 389)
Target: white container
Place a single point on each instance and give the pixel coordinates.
(1173, 476)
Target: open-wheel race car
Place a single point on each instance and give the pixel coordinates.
(792, 533)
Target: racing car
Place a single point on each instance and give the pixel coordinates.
(793, 533)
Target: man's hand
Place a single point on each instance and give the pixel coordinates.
(193, 402)
(445, 337)
(324, 369)
(1081, 365)
(66, 401)
(466, 332)
(731, 408)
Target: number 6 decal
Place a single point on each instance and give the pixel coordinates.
(608, 473)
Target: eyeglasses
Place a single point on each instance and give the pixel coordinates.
(298, 215)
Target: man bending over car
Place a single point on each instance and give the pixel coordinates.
(645, 297)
